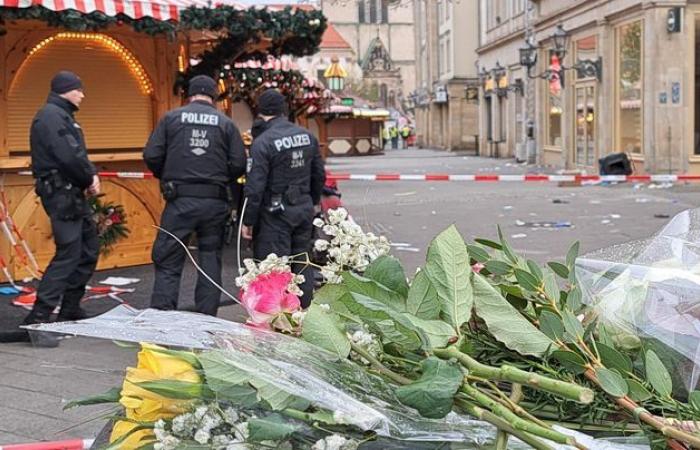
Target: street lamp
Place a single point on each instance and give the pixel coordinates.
(335, 75)
(561, 41)
(584, 67)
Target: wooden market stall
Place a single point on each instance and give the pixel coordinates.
(134, 66)
(354, 131)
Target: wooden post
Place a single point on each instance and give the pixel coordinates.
(322, 135)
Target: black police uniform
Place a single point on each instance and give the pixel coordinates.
(62, 171)
(197, 153)
(285, 182)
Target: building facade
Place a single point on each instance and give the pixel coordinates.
(382, 40)
(445, 98)
(642, 100)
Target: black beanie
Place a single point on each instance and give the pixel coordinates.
(271, 103)
(65, 81)
(203, 85)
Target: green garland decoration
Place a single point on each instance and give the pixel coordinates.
(73, 20)
(110, 220)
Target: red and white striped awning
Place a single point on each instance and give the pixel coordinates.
(136, 9)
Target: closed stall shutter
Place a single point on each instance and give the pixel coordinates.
(117, 110)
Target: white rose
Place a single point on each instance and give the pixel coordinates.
(319, 223)
(202, 436)
(321, 245)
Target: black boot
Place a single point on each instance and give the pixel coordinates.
(70, 307)
(40, 338)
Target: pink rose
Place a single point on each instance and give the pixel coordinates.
(266, 298)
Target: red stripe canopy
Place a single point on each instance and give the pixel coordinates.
(136, 9)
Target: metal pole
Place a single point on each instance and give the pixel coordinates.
(529, 115)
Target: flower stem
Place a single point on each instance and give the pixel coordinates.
(513, 419)
(381, 368)
(501, 424)
(564, 389)
(648, 418)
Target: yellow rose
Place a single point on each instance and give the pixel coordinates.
(135, 440)
(165, 366)
(143, 405)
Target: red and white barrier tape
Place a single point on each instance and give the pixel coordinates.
(517, 178)
(486, 177)
(73, 444)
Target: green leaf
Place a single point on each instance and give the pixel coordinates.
(559, 269)
(111, 396)
(572, 325)
(535, 269)
(385, 320)
(478, 254)
(432, 395)
(498, 267)
(449, 271)
(369, 288)
(658, 375)
(526, 280)
(189, 357)
(694, 399)
(489, 243)
(229, 382)
(571, 361)
(388, 272)
(573, 299)
(322, 328)
(507, 250)
(611, 382)
(422, 299)
(329, 293)
(604, 336)
(271, 428)
(613, 359)
(176, 389)
(572, 254)
(552, 326)
(637, 391)
(551, 287)
(433, 333)
(505, 323)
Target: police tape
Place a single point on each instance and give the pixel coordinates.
(485, 177)
(73, 444)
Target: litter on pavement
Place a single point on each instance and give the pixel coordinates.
(119, 281)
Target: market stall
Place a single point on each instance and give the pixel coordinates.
(134, 60)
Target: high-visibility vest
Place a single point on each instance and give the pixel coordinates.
(393, 132)
(405, 132)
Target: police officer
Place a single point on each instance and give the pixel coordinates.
(197, 153)
(283, 187)
(64, 176)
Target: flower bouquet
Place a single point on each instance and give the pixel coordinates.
(110, 220)
(480, 347)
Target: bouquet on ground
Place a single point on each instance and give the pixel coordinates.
(478, 330)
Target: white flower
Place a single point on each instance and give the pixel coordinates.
(231, 416)
(335, 442)
(298, 317)
(341, 418)
(321, 245)
(200, 412)
(319, 223)
(325, 306)
(202, 436)
(330, 230)
(170, 443)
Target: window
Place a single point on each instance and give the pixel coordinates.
(373, 11)
(497, 12)
(629, 82)
(554, 110)
(448, 53)
(518, 7)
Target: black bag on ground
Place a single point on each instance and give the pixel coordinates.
(615, 164)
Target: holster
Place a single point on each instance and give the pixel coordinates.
(60, 198)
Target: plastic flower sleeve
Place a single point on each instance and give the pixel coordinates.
(293, 367)
(648, 292)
